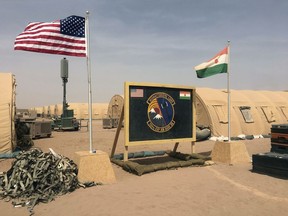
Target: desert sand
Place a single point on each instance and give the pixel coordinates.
(217, 190)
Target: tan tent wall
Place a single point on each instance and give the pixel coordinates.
(7, 112)
(99, 110)
(38, 110)
(260, 108)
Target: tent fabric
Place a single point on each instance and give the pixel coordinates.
(7, 113)
(252, 112)
(99, 110)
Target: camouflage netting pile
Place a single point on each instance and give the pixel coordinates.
(38, 177)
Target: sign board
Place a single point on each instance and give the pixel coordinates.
(157, 113)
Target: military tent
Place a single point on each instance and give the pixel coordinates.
(7, 112)
(99, 110)
(252, 112)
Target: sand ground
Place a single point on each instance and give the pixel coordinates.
(217, 190)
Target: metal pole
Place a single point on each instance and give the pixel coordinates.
(64, 76)
(228, 91)
(87, 34)
(64, 97)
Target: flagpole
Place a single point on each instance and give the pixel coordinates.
(87, 34)
(228, 93)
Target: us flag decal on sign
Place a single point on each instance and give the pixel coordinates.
(136, 92)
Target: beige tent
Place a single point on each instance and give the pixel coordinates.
(115, 106)
(7, 112)
(99, 110)
(252, 112)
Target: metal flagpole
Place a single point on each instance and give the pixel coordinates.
(87, 34)
(228, 93)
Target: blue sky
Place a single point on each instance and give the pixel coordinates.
(158, 41)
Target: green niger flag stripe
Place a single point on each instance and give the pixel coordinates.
(210, 71)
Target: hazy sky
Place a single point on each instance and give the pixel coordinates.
(158, 41)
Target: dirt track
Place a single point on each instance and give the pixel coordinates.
(217, 190)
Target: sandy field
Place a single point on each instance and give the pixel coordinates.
(217, 190)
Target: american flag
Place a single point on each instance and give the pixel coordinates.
(63, 37)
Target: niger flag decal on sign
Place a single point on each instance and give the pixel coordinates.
(218, 64)
(185, 95)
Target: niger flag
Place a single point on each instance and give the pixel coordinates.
(218, 64)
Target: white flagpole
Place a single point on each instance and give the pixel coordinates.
(87, 34)
(228, 93)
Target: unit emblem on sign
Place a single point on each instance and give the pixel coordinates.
(160, 112)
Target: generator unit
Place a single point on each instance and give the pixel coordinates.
(67, 121)
(34, 128)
